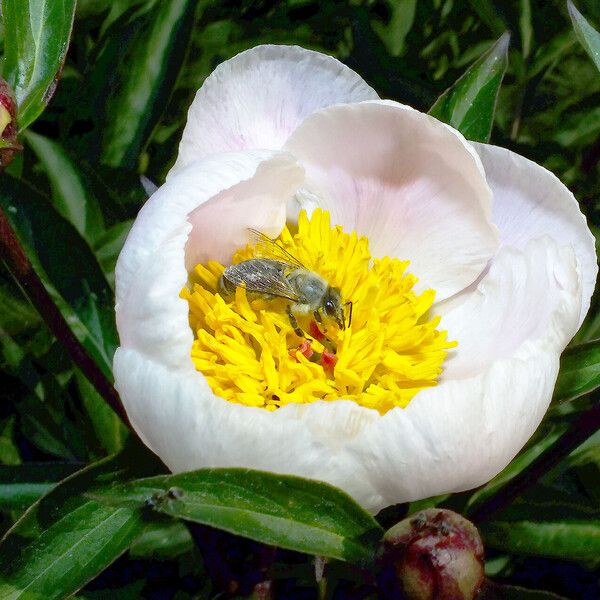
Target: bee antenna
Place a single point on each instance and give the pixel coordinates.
(350, 316)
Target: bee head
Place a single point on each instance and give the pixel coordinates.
(333, 307)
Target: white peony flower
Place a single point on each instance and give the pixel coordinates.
(211, 380)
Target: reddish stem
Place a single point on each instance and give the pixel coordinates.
(20, 266)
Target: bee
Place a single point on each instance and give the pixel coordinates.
(275, 273)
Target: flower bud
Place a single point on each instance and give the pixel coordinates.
(435, 554)
(8, 125)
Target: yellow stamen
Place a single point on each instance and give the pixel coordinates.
(246, 347)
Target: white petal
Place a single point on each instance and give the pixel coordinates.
(257, 98)
(530, 201)
(411, 184)
(450, 438)
(456, 436)
(518, 299)
(183, 422)
(150, 273)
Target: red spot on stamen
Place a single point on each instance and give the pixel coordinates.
(328, 361)
(304, 348)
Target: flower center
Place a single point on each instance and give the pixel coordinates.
(375, 344)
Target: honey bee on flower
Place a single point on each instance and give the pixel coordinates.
(469, 269)
(277, 273)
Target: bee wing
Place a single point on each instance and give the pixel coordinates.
(265, 247)
(262, 275)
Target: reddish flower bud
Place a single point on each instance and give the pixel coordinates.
(433, 555)
(8, 125)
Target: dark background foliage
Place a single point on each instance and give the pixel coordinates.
(131, 72)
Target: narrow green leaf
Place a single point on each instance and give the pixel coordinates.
(67, 265)
(66, 539)
(550, 53)
(280, 510)
(69, 193)
(108, 427)
(566, 539)
(579, 371)
(9, 453)
(394, 32)
(553, 502)
(588, 36)
(36, 38)
(525, 27)
(108, 247)
(42, 401)
(44, 423)
(146, 79)
(470, 103)
(22, 485)
(489, 15)
(17, 315)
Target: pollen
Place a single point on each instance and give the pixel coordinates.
(250, 353)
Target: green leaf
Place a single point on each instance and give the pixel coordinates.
(162, 539)
(9, 453)
(66, 539)
(470, 103)
(45, 424)
(579, 371)
(17, 315)
(22, 485)
(279, 510)
(36, 39)
(145, 81)
(525, 26)
(565, 539)
(588, 36)
(489, 15)
(554, 502)
(66, 264)
(108, 247)
(394, 32)
(70, 196)
(108, 427)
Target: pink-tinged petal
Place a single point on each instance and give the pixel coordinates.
(525, 295)
(529, 202)
(257, 98)
(220, 225)
(151, 271)
(413, 185)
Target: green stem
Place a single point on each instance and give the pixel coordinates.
(20, 266)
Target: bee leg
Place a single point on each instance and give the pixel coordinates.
(329, 345)
(226, 288)
(294, 322)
